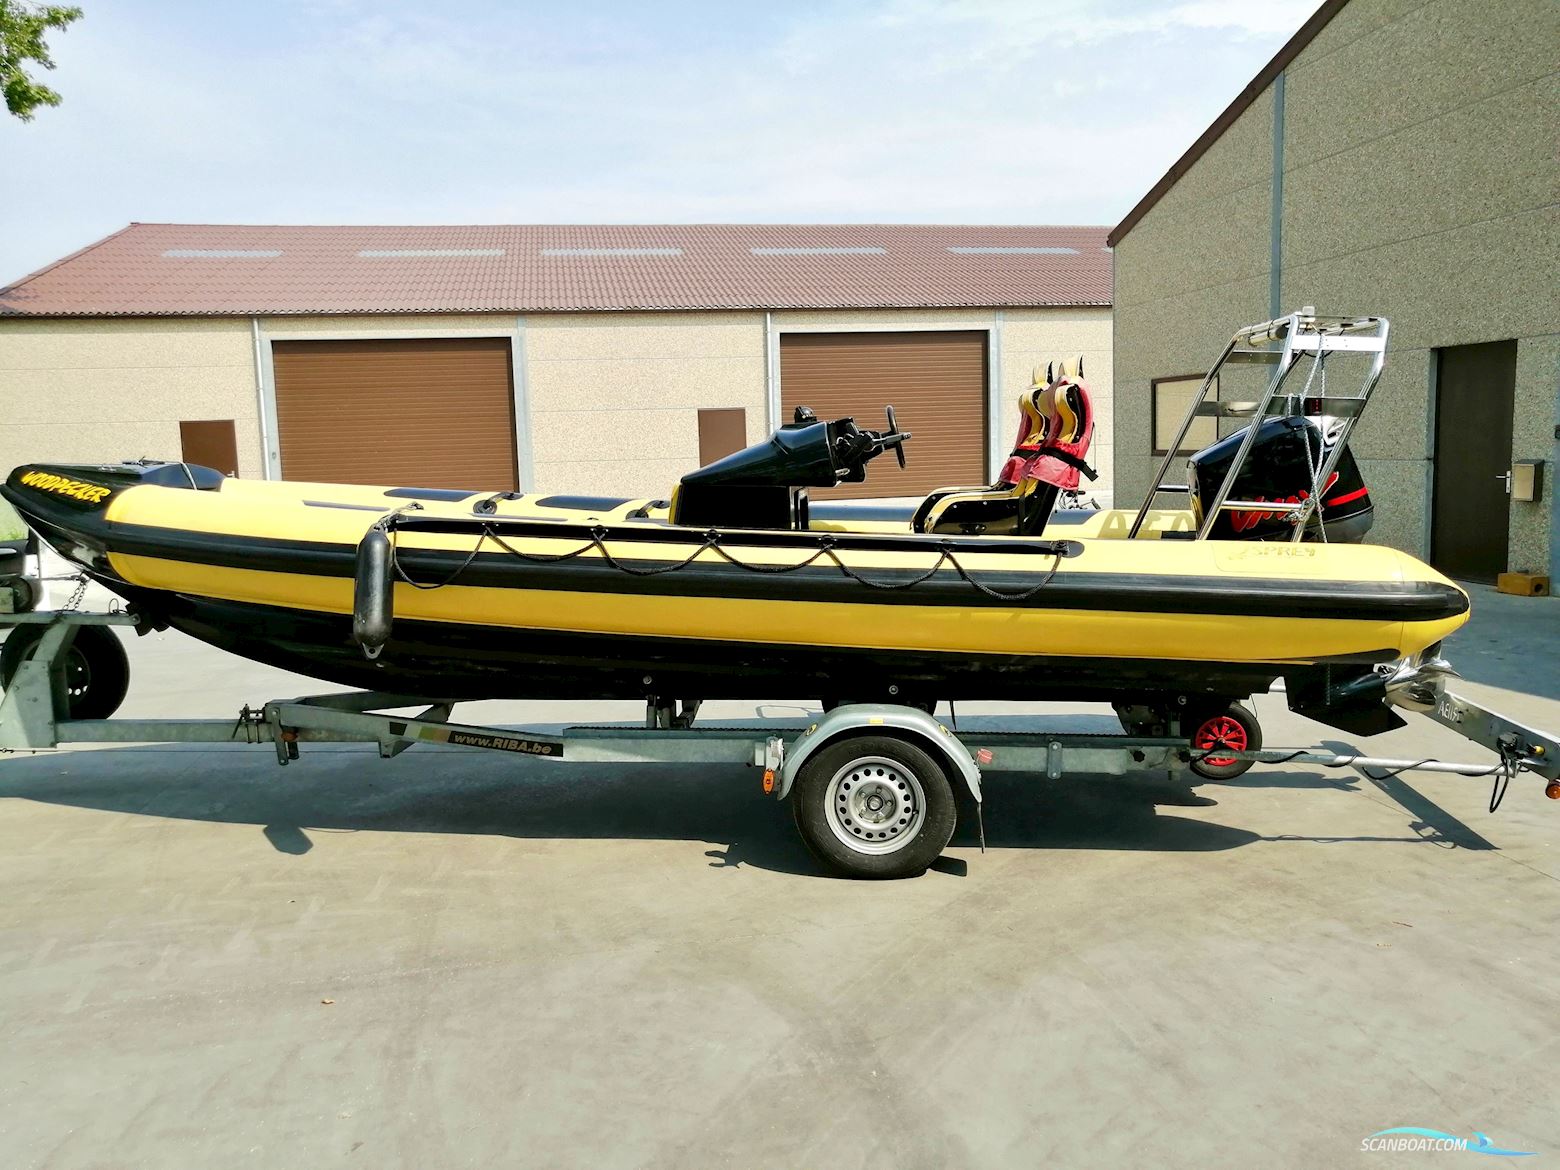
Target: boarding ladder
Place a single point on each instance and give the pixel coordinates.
(1283, 343)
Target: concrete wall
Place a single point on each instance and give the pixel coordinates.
(1190, 273)
(90, 390)
(1418, 183)
(600, 382)
(1032, 337)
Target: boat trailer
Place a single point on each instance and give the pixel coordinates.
(872, 784)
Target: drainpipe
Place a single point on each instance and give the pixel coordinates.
(771, 384)
(261, 412)
(1276, 215)
(994, 451)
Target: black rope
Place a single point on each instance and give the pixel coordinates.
(1021, 595)
(1392, 773)
(1508, 767)
(1498, 789)
(541, 558)
(826, 549)
(711, 543)
(943, 556)
(395, 563)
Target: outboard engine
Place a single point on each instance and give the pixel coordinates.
(1280, 468)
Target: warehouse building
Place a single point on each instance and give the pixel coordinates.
(1395, 158)
(603, 360)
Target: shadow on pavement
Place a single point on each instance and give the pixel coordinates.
(473, 792)
(1506, 640)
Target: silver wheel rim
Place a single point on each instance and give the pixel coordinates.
(78, 673)
(875, 805)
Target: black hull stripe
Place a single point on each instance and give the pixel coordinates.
(823, 581)
(447, 660)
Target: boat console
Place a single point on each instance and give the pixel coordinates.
(765, 485)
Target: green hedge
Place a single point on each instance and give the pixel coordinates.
(11, 526)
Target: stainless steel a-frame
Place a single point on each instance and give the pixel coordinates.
(1283, 343)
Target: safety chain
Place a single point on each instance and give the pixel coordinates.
(826, 549)
(77, 595)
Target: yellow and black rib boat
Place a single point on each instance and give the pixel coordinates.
(735, 587)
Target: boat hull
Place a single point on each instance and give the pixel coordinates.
(459, 661)
(569, 599)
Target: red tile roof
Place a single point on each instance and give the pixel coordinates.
(151, 269)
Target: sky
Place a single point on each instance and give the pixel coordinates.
(614, 111)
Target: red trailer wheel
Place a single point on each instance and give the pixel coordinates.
(1234, 728)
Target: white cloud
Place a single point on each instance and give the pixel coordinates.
(338, 111)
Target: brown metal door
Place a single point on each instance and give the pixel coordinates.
(211, 443)
(1475, 387)
(935, 381)
(722, 430)
(421, 413)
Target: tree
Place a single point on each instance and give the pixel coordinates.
(22, 29)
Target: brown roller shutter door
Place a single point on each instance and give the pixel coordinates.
(936, 382)
(423, 413)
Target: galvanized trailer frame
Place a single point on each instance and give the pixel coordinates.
(34, 717)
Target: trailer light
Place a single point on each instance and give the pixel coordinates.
(769, 781)
(1552, 790)
(983, 755)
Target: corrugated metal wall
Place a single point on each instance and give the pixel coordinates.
(935, 380)
(436, 412)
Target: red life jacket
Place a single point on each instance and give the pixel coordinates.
(1054, 454)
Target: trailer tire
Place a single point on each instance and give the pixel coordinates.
(97, 670)
(26, 593)
(874, 806)
(1236, 726)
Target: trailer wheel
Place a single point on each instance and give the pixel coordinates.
(1235, 727)
(26, 593)
(874, 807)
(97, 670)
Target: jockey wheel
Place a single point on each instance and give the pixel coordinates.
(1232, 727)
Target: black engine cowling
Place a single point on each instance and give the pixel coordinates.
(765, 485)
(1279, 469)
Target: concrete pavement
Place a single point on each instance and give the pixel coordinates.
(459, 959)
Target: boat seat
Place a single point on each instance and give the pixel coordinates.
(1056, 426)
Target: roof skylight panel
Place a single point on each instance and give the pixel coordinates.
(222, 253)
(411, 253)
(612, 251)
(1014, 251)
(818, 251)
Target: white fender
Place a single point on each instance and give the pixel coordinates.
(910, 723)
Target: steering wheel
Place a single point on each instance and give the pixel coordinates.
(854, 447)
(894, 437)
